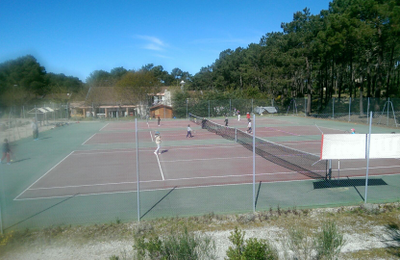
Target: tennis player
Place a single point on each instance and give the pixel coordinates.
(249, 127)
(189, 132)
(6, 151)
(158, 142)
(353, 131)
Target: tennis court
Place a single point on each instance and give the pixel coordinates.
(71, 172)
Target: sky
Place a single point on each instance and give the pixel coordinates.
(77, 37)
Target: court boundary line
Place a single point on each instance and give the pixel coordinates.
(159, 165)
(176, 179)
(101, 129)
(210, 159)
(84, 143)
(44, 174)
(181, 188)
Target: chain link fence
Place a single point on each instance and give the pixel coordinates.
(386, 112)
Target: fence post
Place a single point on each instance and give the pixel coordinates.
(333, 108)
(387, 112)
(349, 109)
(208, 108)
(187, 102)
(367, 110)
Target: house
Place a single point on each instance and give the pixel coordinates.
(105, 102)
(161, 110)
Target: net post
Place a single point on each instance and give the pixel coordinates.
(329, 171)
(235, 135)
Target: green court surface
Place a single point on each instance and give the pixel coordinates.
(36, 160)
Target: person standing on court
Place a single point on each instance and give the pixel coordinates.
(353, 131)
(238, 114)
(6, 151)
(35, 130)
(158, 120)
(226, 121)
(189, 132)
(248, 116)
(249, 127)
(158, 143)
(203, 123)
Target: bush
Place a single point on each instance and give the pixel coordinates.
(252, 248)
(329, 242)
(300, 242)
(180, 245)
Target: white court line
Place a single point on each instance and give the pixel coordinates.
(44, 174)
(159, 165)
(191, 187)
(103, 152)
(104, 127)
(88, 139)
(155, 181)
(209, 159)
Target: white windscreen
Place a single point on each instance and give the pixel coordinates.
(385, 146)
(343, 146)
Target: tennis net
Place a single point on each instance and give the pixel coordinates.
(302, 162)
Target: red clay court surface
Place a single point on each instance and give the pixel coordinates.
(190, 163)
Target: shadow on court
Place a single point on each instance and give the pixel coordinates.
(158, 202)
(347, 183)
(20, 160)
(40, 212)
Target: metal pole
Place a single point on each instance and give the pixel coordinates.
(3, 193)
(137, 170)
(235, 135)
(254, 162)
(230, 107)
(367, 110)
(208, 108)
(387, 112)
(333, 108)
(349, 109)
(368, 147)
(187, 102)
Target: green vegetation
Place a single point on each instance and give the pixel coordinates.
(252, 248)
(349, 50)
(329, 242)
(298, 233)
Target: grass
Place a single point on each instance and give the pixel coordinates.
(297, 224)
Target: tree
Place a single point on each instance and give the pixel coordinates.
(100, 78)
(59, 83)
(22, 80)
(136, 87)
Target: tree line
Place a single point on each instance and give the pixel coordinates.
(350, 50)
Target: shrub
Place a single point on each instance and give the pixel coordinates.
(252, 248)
(179, 245)
(329, 242)
(300, 242)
